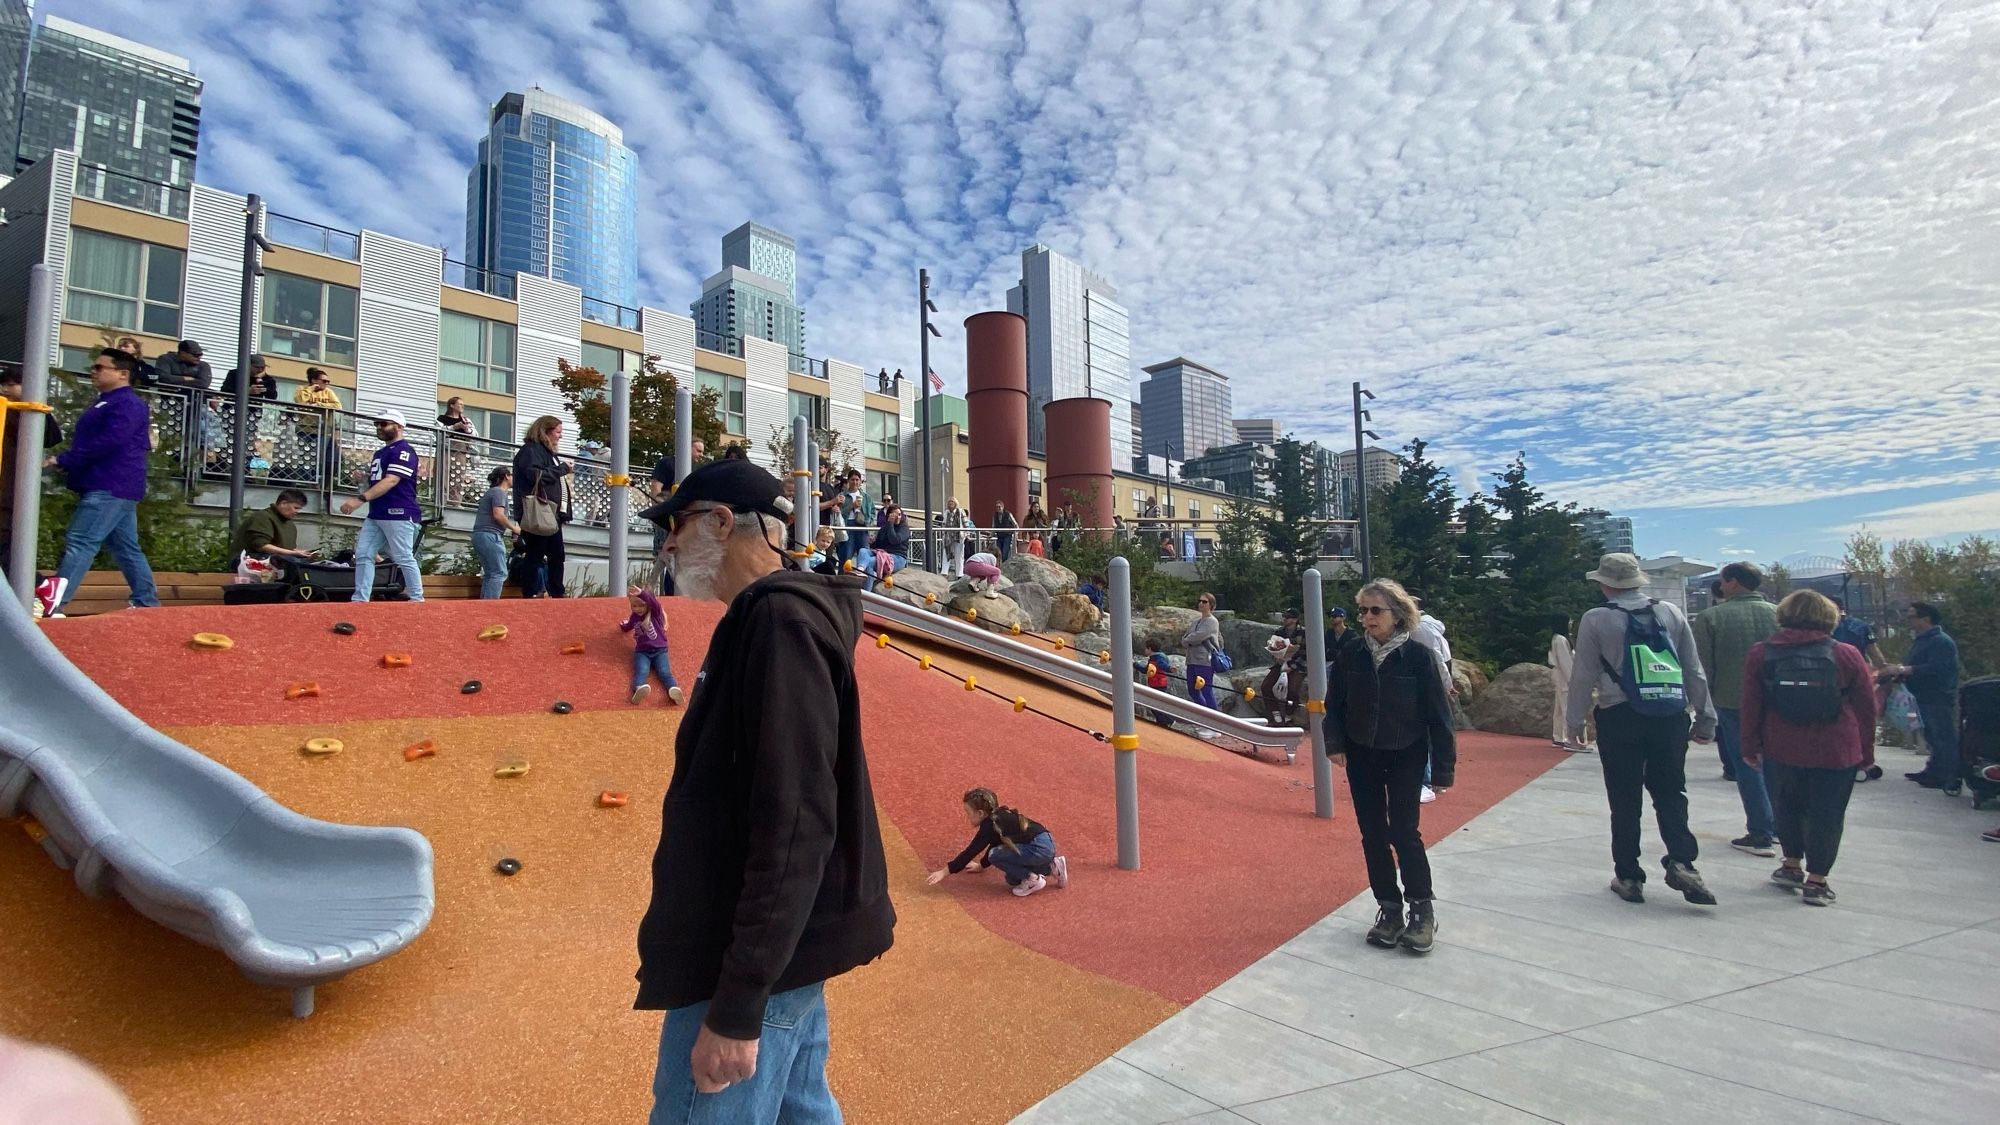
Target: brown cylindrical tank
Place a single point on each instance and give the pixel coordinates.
(1079, 433)
(996, 407)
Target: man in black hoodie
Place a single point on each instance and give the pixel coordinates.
(769, 878)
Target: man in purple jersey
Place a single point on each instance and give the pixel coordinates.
(393, 514)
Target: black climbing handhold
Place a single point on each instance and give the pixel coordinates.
(508, 867)
(344, 628)
(562, 708)
(471, 687)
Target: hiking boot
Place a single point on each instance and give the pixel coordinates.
(1059, 866)
(1388, 928)
(1819, 894)
(675, 696)
(640, 693)
(1029, 886)
(1421, 929)
(1755, 845)
(1688, 882)
(1631, 890)
(1790, 878)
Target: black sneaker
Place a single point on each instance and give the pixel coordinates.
(1921, 777)
(1819, 894)
(1953, 788)
(1791, 878)
(1728, 775)
(1688, 882)
(1422, 928)
(1755, 845)
(1388, 928)
(1631, 890)
(1872, 773)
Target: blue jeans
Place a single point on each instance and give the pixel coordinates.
(394, 538)
(1205, 694)
(854, 543)
(1032, 859)
(492, 562)
(864, 561)
(790, 1083)
(655, 662)
(1940, 721)
(104, 521)
(1750, 784)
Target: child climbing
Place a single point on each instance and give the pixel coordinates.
(1022, 849)
(648, 626)
(1159, 676)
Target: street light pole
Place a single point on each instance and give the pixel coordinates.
(1361, 482)
(924, 334)
(246, 329)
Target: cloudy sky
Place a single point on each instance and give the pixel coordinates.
(1730, 268)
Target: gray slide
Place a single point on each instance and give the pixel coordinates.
(191, 844)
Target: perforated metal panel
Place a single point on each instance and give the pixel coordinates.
(765, 397)
(397, 353)
(551, 328)
(215, 275)
(671, 337)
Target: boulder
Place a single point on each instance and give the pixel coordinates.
(1469, 678)
(1070, 613)
(912, 586)
(1244, 639)
(1518, 701)
(1034, 601)
(1053, 577)
(1165, 624)
(1088, 645)
(995, 611)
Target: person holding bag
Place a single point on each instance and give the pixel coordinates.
(538, 506)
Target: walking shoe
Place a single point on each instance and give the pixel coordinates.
(1755, 845)
(1388, 928)
(1029, 886)
(1729, 775)
(640, 693)
(1819, 894)
(1631, 890)
(1872, 773)
(674, 695)
(1422, 928)
(1953, 788)
(1790, 878)
(1991, 835)
(1429, 795)
(1688, 882)
(1921, 777)
(1060, 867)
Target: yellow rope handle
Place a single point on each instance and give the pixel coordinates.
(617, 480)
(1124, 742)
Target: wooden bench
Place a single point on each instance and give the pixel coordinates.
(104, 591)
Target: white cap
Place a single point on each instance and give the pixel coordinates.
(395, 416)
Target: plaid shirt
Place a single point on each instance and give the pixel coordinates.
(1723, 634)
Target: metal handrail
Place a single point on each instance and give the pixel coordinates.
(304, 234)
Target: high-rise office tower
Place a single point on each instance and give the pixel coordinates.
(554, 191)
(131, 113)
(1184, 409)
(16, 22)
(1262, 431)
(1612, 533)
(1078, 343)
(1380, 469)
(755, 294)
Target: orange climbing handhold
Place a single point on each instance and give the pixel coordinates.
(1249, 694)
(302, 690)
(1020, 704)
(930, 599)
(1061, 644)
(888, 581)
(573, 648)
(424, 749)
(972, 615)
(493, 633)
(1104, 656)
(396, 660)
(612, 800)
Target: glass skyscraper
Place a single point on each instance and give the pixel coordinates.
(1079, 343)
(131, 113)
(554, 192)
(755, 294)
(16, 21)
(1184, 409)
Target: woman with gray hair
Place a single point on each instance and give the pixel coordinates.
(1387, 719)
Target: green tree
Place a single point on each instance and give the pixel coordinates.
(1476, 585)
(1963, 580)
(1544, 559)
(1240, 572)
(834, 448)
(1409, 524)
(1290, 529)
(652, 408)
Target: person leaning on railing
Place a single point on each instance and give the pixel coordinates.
(312, 424)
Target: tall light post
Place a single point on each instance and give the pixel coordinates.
(1361, 480)
(246, 328)
(924, 310)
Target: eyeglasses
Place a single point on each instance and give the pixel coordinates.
(686, 516)
(1372, 610)
(104, 367)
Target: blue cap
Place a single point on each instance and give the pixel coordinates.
(1336, 611)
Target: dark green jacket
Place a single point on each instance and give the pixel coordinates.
(262, 529)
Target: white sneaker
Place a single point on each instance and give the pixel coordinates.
(1029, 886)
(1060, 866)
(674, 694)
(640, 693)
(1429, 796)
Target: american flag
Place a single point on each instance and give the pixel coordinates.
(937, 383)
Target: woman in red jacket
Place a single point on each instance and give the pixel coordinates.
(1809, 720)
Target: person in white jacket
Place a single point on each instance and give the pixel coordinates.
(1430, 634)
(1561, 661)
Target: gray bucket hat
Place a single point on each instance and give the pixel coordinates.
(1619, 571)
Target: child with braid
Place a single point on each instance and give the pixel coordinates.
(1022, 849)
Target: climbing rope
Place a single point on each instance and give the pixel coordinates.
(971, 683)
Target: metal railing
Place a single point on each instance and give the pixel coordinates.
(108, 185)
(458, 275)
(607, 312)
(815, 368)
(305, 235)
(716, 342)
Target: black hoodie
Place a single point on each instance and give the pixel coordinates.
(769, 875)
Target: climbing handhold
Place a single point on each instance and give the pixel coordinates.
(971, 683)
(1200, 683)
(612, 800)
(424, 749)
(493, 633)
(508, 867)
(211, 640)
(1061, 644)
(574, 648)
(925, 663)
(1104, 656)
(848, 566)
(1020, 704)
(930, 599)
(1014, 630)
(972, 615)
(510, 769)
(1249, 694)
(888, 582)
(322, 746)
(302, 690)
(344, 628)
(562, 707)
(396, 660)
(470, 687)
(881, 640)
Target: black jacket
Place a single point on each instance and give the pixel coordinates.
(172, 371)
(536, 468)
(893, 538)
(769, 875)
(1392, 708)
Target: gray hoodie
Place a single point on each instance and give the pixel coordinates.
(1198, 643)
(1600, 641)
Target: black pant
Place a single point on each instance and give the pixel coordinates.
(1811, 810)
(1645, 753)
(545, 553)
(1387, 789)
(1274, 706)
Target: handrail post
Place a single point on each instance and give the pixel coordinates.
(618, 481)
(1315, 616)
(683, 431)
(802, 487)
(28, 452)
(1124, 723)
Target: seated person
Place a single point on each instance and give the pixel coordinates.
(890, 550)
(270, 532)
(1093, 588)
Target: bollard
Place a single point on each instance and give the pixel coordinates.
(1124, 723)
(812, 510)
(803, 506)
(683, 431)
(620, 478)
(1315, 616)
(27, 451)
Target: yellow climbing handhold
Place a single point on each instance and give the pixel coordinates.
(1249, 694)
(1020, 704)
(493, 633)
(930, 599)
(211, 640)
(1104, 656)
(888, 582)
(322, 746)
(881, 640)
(1014, 630)
(971, 683)
(848, 566)
(972, 615)
(1200, 683)
(1061, 644)
(925, 663)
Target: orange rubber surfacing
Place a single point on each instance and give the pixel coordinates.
(515, 1005)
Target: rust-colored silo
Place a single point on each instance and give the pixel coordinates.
(996, 407)
(1079, 431)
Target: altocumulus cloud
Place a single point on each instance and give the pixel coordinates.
(1668, 249)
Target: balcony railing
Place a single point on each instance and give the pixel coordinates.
(107, 185)
(303, 235)
(716, 342)
(605, 312)
(458, 275)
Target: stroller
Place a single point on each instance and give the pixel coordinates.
(320, 580)
(1979, 736)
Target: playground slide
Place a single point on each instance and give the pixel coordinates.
(191, 844)
(1065, 669)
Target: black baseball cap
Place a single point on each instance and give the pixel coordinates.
(1292, 613)
(190, 347)
(738, 485)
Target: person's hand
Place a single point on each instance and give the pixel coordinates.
(937, 876)
(974, 867)
(719, 1062)
(1754, 761)
(348, 506)
(1338, 759)
(50, 463)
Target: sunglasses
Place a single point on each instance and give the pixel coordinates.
(1372, 610)
(686, 517)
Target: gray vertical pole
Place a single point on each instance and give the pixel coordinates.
(683, 432)
(812, 520)
(1315, 617)
(802, 478)
(27, 452)
(1361, 493)
(621, 469)
(1124, 724)
(246, 332)
(924, 338)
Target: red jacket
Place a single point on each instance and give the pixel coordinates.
(1848, 743)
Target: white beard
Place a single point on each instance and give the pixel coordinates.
(696, 564)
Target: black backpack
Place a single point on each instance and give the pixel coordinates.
(1802, 682)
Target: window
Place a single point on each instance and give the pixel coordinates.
(810, 405)
(120, 283)
(1035, 483)
(475, 353)
(729, 391)
(882, 484)
(309, 320)
(881, 442)
(605, 360)
(497, 425)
